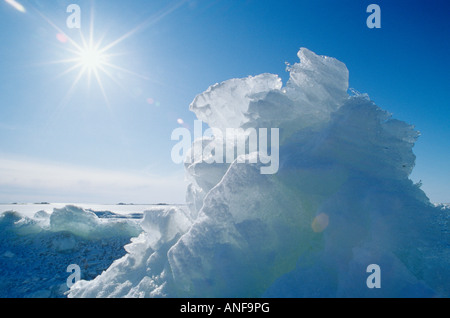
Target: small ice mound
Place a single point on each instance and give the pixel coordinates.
(13, 223)
(341, 201)
(88, 225)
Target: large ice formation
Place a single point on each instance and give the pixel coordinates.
(341, 200)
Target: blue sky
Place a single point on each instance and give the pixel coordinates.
(82, 145)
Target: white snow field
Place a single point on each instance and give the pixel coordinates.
(341, 200)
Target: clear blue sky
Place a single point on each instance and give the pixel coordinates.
(64, 145)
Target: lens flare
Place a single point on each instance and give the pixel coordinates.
(320, 223)
(16, 5)
(61, 37)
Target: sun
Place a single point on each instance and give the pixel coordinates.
(88, 57)
(91, 58)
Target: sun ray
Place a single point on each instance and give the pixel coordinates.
(69, 70)
(73, 42)
(152, 20)
(83, 40)
(68, 95)
(91, 28)
(110, 76)
(62, 61)
(99, 81)
(125, 70)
